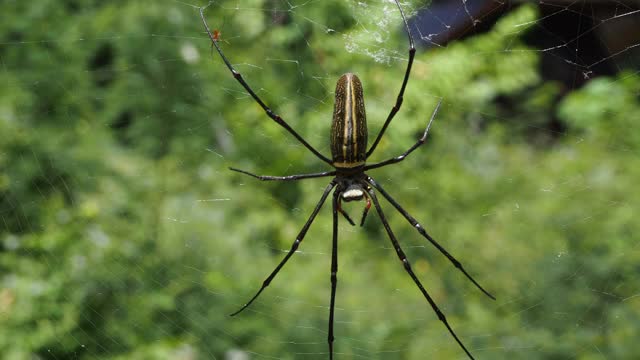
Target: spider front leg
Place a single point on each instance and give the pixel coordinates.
(424, 233)
(294, 246)
(407, 268)
(334, 269)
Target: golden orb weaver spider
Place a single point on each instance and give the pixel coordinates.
(349, 154)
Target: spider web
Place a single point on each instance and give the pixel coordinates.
(124, 235)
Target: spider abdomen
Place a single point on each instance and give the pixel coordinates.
(349, 126)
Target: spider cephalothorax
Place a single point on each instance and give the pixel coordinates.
(351, 183)
(352, 188)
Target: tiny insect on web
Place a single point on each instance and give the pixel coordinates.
(351, 183)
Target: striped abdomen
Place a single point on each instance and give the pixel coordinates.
(349, 127)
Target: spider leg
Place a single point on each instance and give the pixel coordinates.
(294, 247)
(410, 150)
(334, 270)
(285, 178)
(407, 267)
(396, 107)
(275, 117)
(424, 233)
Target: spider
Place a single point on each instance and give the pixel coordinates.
(351, 183)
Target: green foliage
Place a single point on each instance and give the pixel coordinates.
(123, 235)
(610, 121)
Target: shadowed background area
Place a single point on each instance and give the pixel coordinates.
(123, 235)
